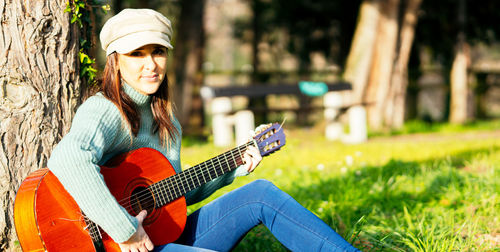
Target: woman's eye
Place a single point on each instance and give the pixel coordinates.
(159, 51)
(135, 53)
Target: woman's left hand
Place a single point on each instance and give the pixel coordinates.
(252, 158)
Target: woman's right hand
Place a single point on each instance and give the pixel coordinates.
(139, 241)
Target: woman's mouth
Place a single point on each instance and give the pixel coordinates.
(151, 77)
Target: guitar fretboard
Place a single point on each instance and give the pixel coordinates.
(179, 184)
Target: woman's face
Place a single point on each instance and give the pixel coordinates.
(144, 68)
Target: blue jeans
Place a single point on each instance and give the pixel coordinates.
(222, 223)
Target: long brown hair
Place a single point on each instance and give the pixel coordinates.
(161, 103)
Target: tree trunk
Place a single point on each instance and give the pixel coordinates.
(383, 60)
(256, 77)
(188, 56)
(360, 55)
(395, 109)
(40, 88)
(458, 75)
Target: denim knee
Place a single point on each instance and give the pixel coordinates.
(262, 185)
(265, 191)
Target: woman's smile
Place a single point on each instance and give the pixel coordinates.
(150, 77)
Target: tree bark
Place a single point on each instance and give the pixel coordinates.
(395, 109)
(40, 88)
(188, 56)
(360, 55)
(383, 60)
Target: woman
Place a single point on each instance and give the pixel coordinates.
(134, 110)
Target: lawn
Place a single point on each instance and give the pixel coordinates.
(434, 189)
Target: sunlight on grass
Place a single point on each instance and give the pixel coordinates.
(436, 192)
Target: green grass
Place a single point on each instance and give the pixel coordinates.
(422, 192)
(418, 126)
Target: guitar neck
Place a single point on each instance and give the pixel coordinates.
(175, 186)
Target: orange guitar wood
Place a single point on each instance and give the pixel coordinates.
(47, 218)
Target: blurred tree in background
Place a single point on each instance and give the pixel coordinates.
(453, 33)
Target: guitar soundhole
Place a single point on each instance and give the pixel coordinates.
(142, 199)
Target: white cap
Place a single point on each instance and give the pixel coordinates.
(134, 28)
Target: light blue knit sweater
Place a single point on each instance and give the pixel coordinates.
(98, 133)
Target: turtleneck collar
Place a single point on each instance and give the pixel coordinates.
(137, 97)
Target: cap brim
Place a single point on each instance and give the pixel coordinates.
(133, 41)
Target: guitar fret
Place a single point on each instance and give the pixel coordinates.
(234, 160)
(156, 195)
(182, 184)
(218, 165)
(240, 156)
(161, 196)
(171, 192)
(202, 173)
(176, 188)
(208, 169)
(190, 185)
(197, 178)
(215, 168)
(227, 162)
(192, 180)
(225, 166)
(162, 192)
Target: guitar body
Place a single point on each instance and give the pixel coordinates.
(48, 219)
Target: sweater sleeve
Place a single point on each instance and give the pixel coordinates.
(74, 161)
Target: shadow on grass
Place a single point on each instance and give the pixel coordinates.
(380, 191)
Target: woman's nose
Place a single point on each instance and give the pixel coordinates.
(149, 63)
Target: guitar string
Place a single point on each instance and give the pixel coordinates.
(176, 188)
(210, 167)
(204, 171)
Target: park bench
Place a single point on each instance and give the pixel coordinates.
(225, 118)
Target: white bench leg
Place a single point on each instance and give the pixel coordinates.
(244, 123)
(222, 123)
(222, 127)
(357, 125)
(333, 128)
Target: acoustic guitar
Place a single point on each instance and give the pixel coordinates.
(48, 219)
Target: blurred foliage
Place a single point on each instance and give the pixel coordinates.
(438, 26)
(312, 26)
(328, 26)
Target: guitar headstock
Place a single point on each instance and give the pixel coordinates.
(270, 139)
